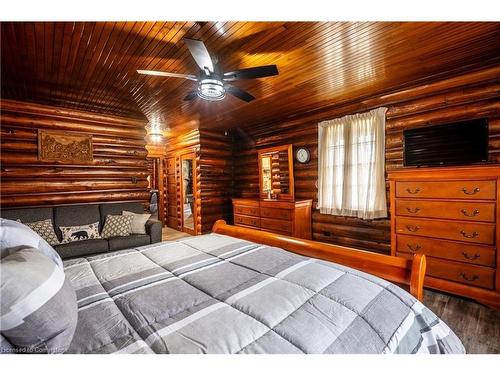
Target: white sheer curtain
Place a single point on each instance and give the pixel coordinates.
(352, 165)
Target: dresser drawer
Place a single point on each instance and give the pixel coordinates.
(447, 229)
(457, 251)
(276, 225)
(276, 213)
(483, 277)
(247, 220)
(246, 210)
(446, 189)
(474, 211)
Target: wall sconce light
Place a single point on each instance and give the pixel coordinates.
(154, 132)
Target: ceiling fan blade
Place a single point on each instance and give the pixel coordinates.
(192, 95)
(239, 93)
(200, 53)
(191, 77)
(249, 73)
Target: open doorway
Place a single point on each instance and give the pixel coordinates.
(188, 199)
(153, 186)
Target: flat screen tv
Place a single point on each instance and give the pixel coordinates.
(457, 143)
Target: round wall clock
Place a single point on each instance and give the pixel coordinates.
(303, 155)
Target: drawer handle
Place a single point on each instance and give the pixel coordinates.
(413, 191)
(414, 248)
(470, 257)
(474, 213)
(472, 192)
(412, 210)
(473, 235)
(465, 277)
(413, 228)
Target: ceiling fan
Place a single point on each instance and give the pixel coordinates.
(212, 82)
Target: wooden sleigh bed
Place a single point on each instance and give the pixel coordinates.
(397, 270)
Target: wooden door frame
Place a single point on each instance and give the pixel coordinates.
(162, 213)
(192, 156)
(158, 159)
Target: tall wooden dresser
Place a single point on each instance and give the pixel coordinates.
(292, 218)
(451, 215)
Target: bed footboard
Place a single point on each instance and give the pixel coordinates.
(397, 270)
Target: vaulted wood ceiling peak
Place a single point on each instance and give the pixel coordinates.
(91, 66)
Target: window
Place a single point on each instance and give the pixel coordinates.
(352, 165)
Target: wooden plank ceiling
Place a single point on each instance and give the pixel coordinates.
(92, 66)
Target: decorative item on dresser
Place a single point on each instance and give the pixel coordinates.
(450, 214)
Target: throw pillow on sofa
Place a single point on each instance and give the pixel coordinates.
(14, 235)
(80, 233)
(45, 229)
(138, 225)
(38, 305)
(117, 225)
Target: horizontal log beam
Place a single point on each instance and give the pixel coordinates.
(68, 114)
(70, 172)
(49, 186)
(51, 124)
(12, 158)
(72, 197)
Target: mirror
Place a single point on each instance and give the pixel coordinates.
(276, 173)
(188, 195)
(266, 173)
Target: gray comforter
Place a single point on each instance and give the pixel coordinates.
(218, 294)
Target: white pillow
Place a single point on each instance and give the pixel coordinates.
(138, 221)
(14, 235)
(38, 304)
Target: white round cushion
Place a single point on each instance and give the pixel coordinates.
(15, 235)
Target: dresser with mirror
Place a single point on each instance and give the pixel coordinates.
(275, 209)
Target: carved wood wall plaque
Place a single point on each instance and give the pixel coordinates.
(65, 147)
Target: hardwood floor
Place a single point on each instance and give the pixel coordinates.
(476, 325)
(169, 234)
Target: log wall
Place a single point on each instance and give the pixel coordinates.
(216, 184)
(473, 95)
(118, 173)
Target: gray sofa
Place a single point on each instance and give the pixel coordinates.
(87, 214)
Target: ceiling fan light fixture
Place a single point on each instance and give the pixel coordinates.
(211, 89)
(212, 81)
